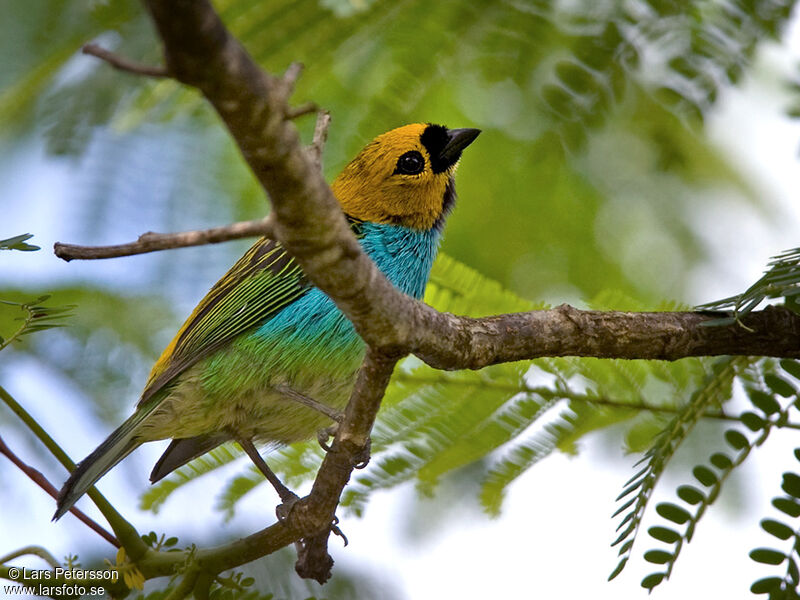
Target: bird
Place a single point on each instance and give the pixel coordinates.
(266, 357)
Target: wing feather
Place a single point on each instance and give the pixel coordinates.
(261, 283)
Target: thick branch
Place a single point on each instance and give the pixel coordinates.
(151, 242)
(448, 342)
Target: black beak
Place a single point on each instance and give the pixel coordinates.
(457, 140)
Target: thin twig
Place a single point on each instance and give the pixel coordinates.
(123, 64)
(152, 242)
(292, 74)
(564, 394)
(125, 532)
(302, 110)
(39, 479)
(320, 137)
(32, 551)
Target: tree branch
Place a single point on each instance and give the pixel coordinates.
(152, 242)
(123, 64)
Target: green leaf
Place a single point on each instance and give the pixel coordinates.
(704, 475)
(763, 401)
(673, 513)
(721, 461)
(776, 528)
(779, 385)
(690, 494)
(792, 367)
(766, 585)
(18, 243)
(791, 484)
(792, 571)
(787, 506)
(736, 439)
(767, 556)
(658, 557)
(652, 580)
(752, 421)
(618, 569)
(664, 534)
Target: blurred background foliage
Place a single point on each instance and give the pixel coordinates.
(580, 189)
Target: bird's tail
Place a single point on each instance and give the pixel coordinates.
(117, 446)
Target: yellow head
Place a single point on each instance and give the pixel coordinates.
(405, 176)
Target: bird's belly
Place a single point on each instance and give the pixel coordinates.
(237, 390)
(259, 412)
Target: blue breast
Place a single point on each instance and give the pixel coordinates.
(404, 255)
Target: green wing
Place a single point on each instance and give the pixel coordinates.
(261, 283)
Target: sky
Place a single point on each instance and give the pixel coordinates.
(552, 540)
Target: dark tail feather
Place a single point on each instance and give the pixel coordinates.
(116, 447)
(180, 452)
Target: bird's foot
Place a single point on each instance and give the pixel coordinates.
(323, 435)
(336, 531)
(284, 509)
(287, 496)
(360, 460)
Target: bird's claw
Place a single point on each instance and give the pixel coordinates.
(361, 459)
(284, 509)
(336, 531)
(323, 435)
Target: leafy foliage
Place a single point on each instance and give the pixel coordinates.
(786, 586)
(716, 391)
(18, 242)
(37, 317)
(781, 280)
(774, 400)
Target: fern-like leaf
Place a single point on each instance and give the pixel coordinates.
(711, 477)
(18, 242)
(781, 280)
(639, 488)
(37, 317)
(784, 587)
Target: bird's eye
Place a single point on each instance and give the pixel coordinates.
(410, 163)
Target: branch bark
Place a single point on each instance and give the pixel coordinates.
(152, 242)
(123, 64)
